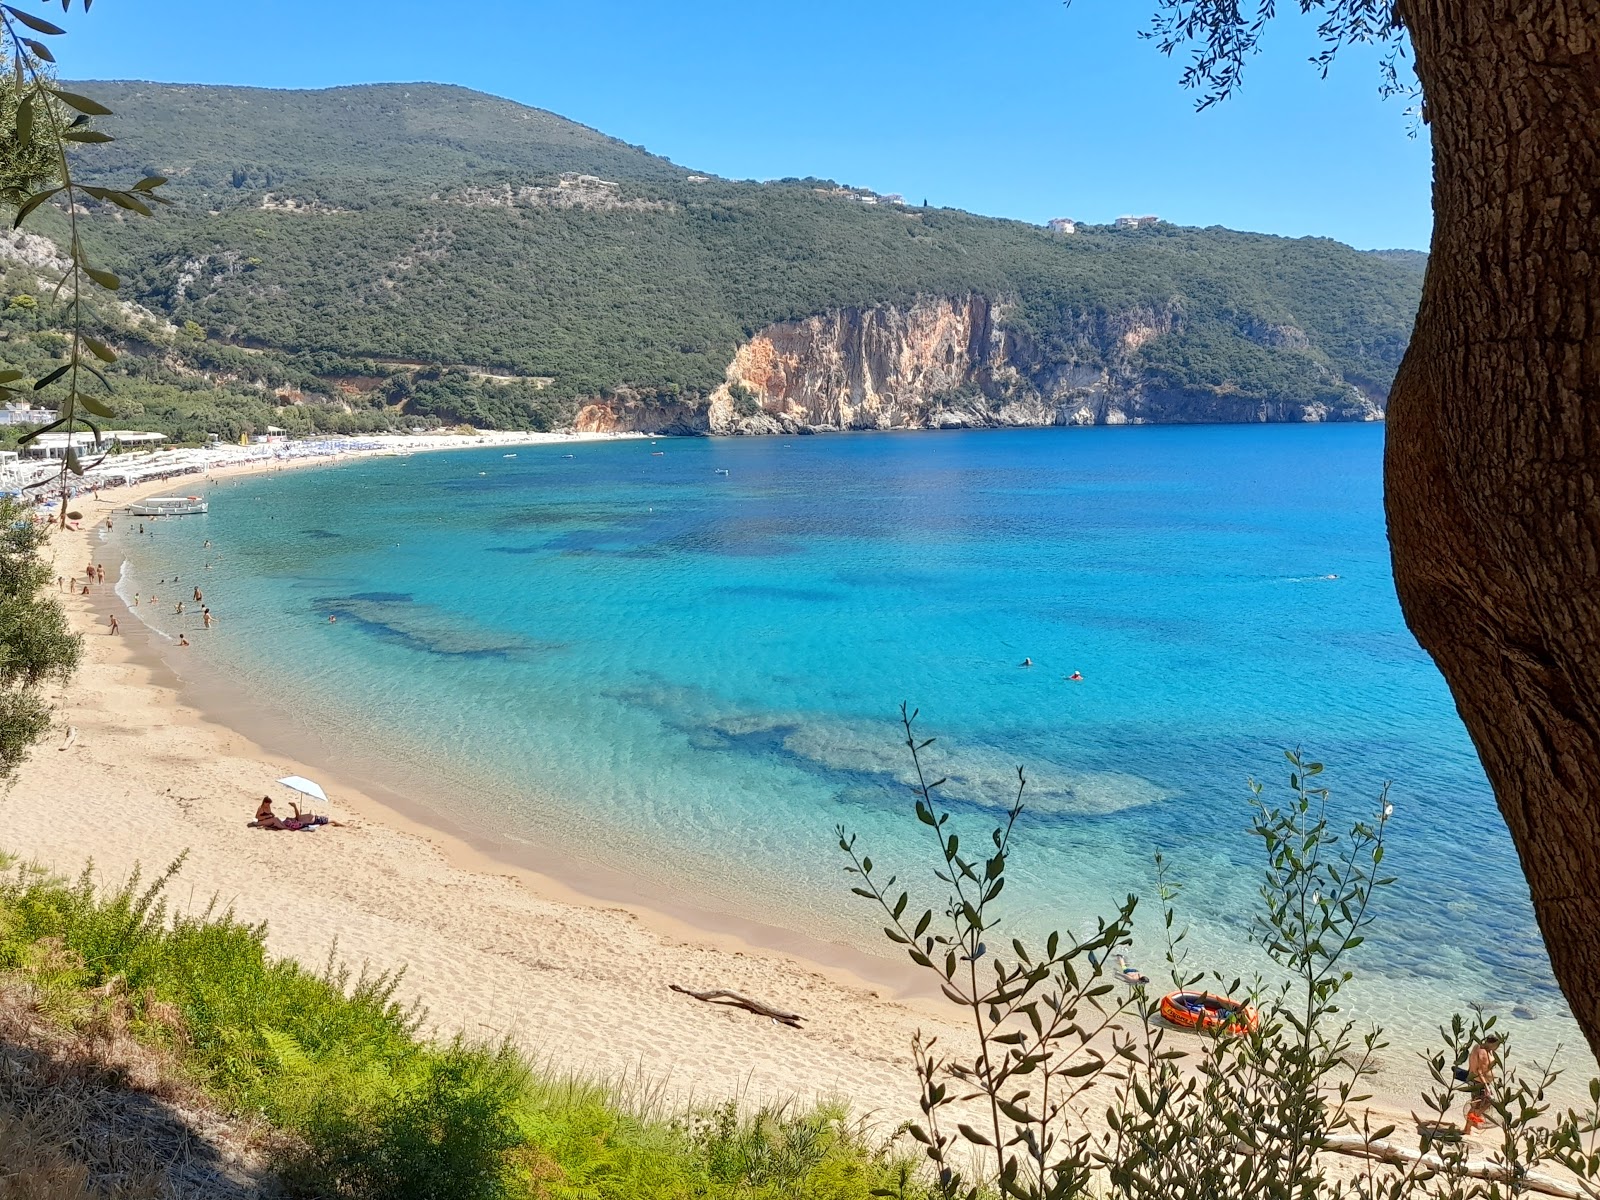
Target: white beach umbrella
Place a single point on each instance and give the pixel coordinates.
(305, 787)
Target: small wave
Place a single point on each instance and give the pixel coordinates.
(123, 590)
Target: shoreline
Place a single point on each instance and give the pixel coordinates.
(493, 947)
(478, 936)
(552, 876)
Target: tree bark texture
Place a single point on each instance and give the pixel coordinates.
(1493, 462)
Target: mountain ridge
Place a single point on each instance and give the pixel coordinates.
(319, 237)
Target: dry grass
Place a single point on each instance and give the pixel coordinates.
(89, 1113)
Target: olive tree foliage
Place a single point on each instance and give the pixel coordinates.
(1221, 35)
(37, 650)
(42, 124)
(1068, 1081)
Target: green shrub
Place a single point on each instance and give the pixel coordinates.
(375, 1110)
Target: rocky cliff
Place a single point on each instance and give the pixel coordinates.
(956, 362)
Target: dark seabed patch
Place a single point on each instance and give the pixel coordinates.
(395, 617)
(762, 591)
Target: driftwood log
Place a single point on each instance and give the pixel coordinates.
(1405, 1156)
(721, 996)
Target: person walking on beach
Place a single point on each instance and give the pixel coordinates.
(100, 573)
(113, 619)
(1480, 1081)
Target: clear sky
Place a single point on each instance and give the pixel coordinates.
(1018, 108)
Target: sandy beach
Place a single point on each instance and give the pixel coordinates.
(489, 949)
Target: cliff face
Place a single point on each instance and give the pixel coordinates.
(953, 362)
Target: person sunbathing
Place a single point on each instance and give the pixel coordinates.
(267, 819)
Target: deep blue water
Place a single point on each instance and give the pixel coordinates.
(629, 658)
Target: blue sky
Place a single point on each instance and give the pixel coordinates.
(1018, 108)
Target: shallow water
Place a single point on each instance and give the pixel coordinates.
(626, 657)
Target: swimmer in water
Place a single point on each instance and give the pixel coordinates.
(1027, 662)
(1076, 677)
(1131, 976)
(332, 620)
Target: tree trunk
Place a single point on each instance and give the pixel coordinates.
(1493, 462)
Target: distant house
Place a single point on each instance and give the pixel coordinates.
(1137, 222)
(23, 414)
(894, 198)
(55, 445)
(1063, 225)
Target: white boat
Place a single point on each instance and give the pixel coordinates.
(508, 456)
(168, 506)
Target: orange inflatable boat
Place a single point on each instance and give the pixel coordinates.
(1213, 1014)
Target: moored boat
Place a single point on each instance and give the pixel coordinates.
(1208, 1012)
(168, 506)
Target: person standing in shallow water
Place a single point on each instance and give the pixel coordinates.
(1480, 1081)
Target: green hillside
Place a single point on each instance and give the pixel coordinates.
(361, 242)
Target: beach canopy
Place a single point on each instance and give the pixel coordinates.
(301, 784)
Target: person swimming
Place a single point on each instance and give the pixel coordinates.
(1027, 662)
(1075, 677)
(1131, 976)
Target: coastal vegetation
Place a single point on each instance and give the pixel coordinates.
(38, 652)
(321, 1084)
(1068, 1033)
(147, 1051)
(354, 241)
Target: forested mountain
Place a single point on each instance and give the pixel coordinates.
(409, 253)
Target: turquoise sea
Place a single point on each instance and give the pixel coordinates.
(618, 655)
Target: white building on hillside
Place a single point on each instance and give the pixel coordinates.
(54, 445)
(24, 414)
